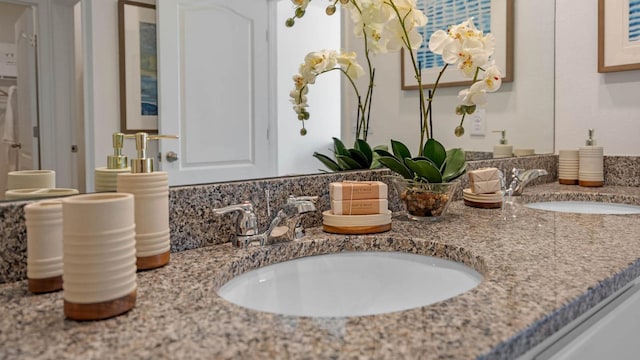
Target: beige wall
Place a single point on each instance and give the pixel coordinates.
(609, 103)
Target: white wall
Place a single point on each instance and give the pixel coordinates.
(102, 112)
(315, 31)
(524, 107)
(609, 103)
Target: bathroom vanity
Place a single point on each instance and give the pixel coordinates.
(541, 270)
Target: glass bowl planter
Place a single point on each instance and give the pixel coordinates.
(424, 201)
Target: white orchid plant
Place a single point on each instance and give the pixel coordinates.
(389, 26)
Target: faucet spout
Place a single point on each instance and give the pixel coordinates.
(286, 224)
(521, 177)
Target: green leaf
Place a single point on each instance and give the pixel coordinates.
(364, 148)
(435, 152)
(456, 165)
(400, 150)
(347, 163)
(375, 164)
(327, 161)
(339, 148)
(424, 169)
(424, 158)
(383, 152)
(396, 166)
(360, 158)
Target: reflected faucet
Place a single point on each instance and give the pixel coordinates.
(521, 177)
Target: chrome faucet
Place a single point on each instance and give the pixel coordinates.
(285, 226)
(521, 177)
(246, 222)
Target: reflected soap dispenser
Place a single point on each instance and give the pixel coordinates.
(106, 178)
(151, 205)
(591, 163)
(502, 149)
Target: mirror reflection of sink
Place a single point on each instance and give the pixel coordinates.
(585, 207)
(350, 284)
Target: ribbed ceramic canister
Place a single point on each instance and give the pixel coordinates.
(151, 192)
(31, 179)
(591, 166)
(107, 179)
(568, 165)
(99, 271)
(43, 220)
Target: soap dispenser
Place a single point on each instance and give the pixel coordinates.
(502, 149)
(591, 163)
(106, 178)
(151, 204)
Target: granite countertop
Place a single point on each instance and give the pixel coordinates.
(541, 270)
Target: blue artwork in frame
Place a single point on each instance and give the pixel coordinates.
(494, 16)
(139, 107)
(442, 14)
(148, 70)
(634, 20)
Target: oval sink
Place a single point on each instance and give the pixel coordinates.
(350, 284)
(586, 207)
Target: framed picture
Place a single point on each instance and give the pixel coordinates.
(494, 16)
(138, 67)
(618, 35)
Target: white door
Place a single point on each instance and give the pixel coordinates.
(27, 94)
(213, 64)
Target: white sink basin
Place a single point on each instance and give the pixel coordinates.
(350, 284)
(586, 207)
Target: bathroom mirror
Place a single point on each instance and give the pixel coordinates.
(524, 107)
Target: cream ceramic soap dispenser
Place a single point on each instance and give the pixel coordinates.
(106, 178)
(591, 163)
(502, 149)
(151, 199)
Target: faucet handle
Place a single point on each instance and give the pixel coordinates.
(292, 199)
(246, 222)
(515, 172)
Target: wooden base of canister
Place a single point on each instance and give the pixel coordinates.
(154, 261)
(100, 311)
(568, 181)
(591, 183)
(356, 230)
(40, 286)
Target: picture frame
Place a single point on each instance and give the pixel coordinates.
(618, 35)
(495, 14)
(138, 67)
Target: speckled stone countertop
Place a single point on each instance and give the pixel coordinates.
(541, 270)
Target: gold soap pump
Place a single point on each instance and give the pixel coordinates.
(105, 178)
(151, 204)
(144, 164)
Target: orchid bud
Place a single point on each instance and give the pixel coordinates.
(303, 132)
(300, 12)
(460, 109)
(290, 22)
(470, 109)
(331, 9)
(459, 131)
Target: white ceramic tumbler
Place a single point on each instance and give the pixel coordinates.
(31, 179)
(43, 220)
(99, 271)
